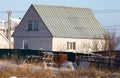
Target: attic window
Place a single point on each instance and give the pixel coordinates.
(32, 25)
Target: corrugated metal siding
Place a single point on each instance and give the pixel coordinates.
(70, 22)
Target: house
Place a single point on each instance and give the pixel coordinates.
(4, 41)
(58, 28)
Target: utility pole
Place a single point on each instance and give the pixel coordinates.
(8, 34)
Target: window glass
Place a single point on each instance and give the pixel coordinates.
(68, 46)
(29, 25)
(32, 25)
(35, 25)
(74, 45)
(25, 44)
(71, 45)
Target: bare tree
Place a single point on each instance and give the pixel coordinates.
(109, 42)
(112, 41)
(95, 45)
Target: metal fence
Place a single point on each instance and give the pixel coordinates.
(9, 53)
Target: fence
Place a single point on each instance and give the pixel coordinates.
(18, 54)
(8, 53)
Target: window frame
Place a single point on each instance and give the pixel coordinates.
(30, 25)
(24, 43)
(33, 25)
(71, 45)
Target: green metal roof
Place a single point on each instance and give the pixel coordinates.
(70, 21)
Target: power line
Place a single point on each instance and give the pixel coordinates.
(12, 12)
(107, 11)
(112, 26)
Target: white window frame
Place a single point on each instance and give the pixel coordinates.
(23, 44)
(71, 45)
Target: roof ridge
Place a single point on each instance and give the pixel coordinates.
(58, 6)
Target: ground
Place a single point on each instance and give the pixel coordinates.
(10, 69)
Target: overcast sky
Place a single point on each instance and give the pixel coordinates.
(107, 11)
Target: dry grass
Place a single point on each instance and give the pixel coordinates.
(90, 72)
(24, 70)
(25, 73)
(35, 71)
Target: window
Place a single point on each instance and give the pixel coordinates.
(29, 25)
(25, 44)
(35, 26)
(32, 25)
(71, 45)
(74, 45)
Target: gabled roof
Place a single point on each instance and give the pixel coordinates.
(70, 21)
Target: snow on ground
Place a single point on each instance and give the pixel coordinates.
(10, 64)
(4, 64)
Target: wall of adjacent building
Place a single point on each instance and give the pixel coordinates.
(4, 43)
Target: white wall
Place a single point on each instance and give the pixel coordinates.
(82, 45)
